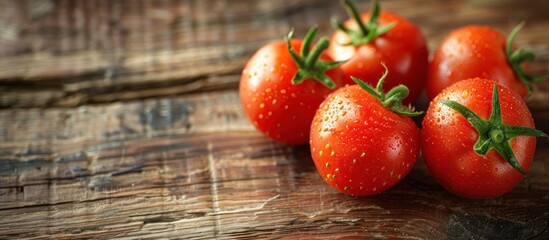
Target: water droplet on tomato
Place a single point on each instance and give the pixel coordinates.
(465, 93)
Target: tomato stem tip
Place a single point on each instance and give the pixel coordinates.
(517, 57)
(493, 133)
(393, 98)
(309, 63)
(366, 32)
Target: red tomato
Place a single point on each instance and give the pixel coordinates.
(478, 51)
(475, 160)
(360, 146)
(277, 107)
(402, 48)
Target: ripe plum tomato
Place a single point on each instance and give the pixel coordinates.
(483, 52)
(363, 140)
(280, 89)
(367, 39)
(477, 138)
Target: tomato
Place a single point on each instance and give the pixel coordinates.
(486, 153)
(279, 97)
(479, 51)
(387, 38)
(363, 141)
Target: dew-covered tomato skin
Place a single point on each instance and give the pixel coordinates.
(448, 140)
(360, 147)
(279, 109)
(470, 52)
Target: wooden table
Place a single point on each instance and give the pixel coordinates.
(121, 119)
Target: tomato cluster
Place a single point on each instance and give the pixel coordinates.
(477, 136)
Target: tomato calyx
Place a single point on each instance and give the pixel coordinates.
(367, 32)
(517, 57)
(392, 100)
(493, 134)
(309, 64)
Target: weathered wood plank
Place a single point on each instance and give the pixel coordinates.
(192, 166)
(253, 196)
(190, 178)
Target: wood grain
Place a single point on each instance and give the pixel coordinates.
(121, 120)
(193, 167)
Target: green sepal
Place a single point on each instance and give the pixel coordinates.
(309, 63)
(393, 98)
(366, 32)
(519, 56)
(493, 134)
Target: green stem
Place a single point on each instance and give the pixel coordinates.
(497, 136)
(518, 57)
(309, 64)
(306, 46)
(352, 11)
(392, 100)
(366, 32)
(313, 57)
(493, 134)
(300, 63)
